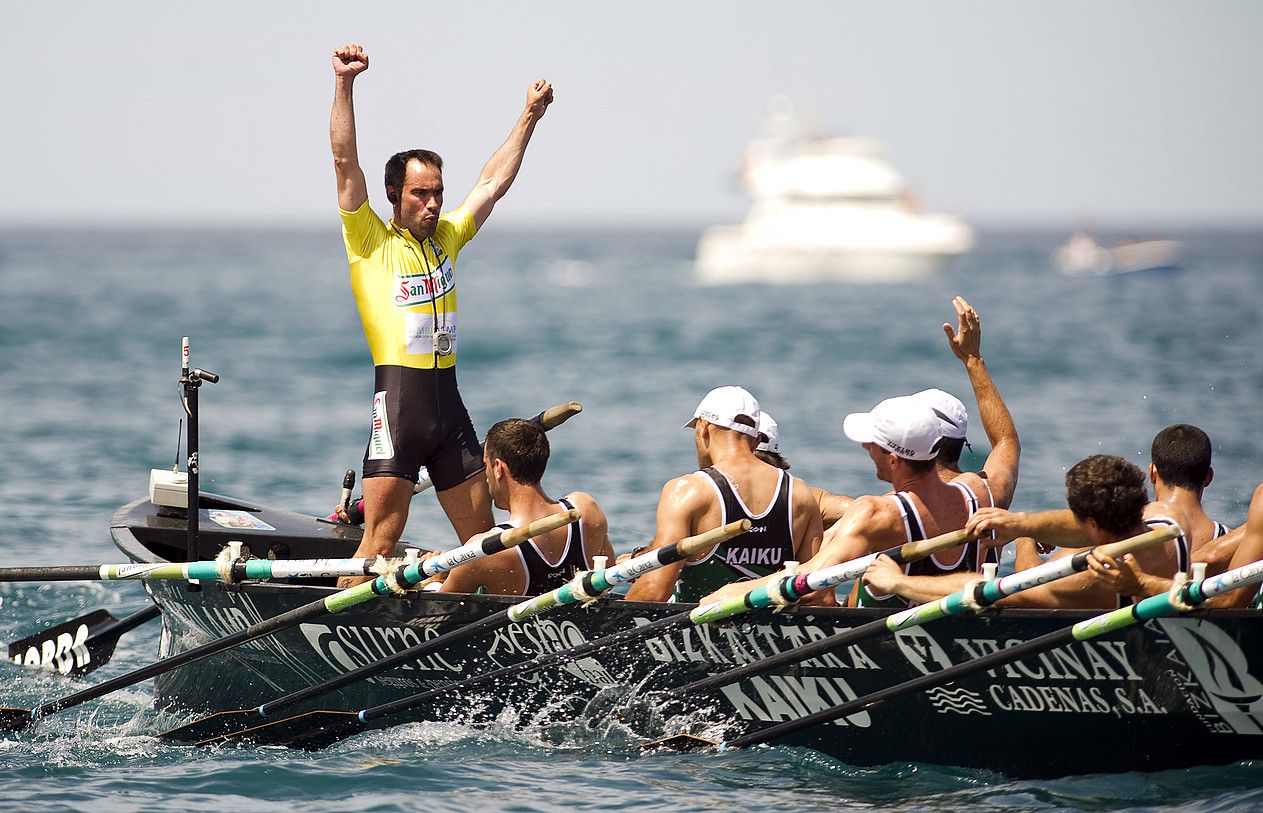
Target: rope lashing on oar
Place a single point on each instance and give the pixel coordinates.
(411, 575)
(785, 590)
(962, 602)
(602, 579)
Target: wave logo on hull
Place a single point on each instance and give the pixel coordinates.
(958, 701)
(1222, 669)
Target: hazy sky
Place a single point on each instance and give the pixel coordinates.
(1146, 112)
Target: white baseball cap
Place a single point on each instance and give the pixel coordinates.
(769, 430)
(903, 425)
(949, 410)
(722, 405)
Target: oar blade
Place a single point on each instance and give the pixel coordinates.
(309, 731)
(12, 719)
(73, 648)
(215, 725)
(679, 742)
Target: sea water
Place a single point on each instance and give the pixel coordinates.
(90, 328)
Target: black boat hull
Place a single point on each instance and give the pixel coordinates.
(1172, 693)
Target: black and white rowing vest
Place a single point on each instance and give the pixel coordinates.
(1183, 551)
(542, 575)
(761, 551)
(971, 559)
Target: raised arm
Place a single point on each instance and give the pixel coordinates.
(680, 508)
(1001, 464)
(498, 174)
(349, 61)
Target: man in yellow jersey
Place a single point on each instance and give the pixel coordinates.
(403, 276)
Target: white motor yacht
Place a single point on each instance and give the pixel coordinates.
(825, 209)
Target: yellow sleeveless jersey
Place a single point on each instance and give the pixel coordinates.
(405, 287)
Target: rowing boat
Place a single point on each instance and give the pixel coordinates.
(1171, 693)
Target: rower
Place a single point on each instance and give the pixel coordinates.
(1180, 470)
(732, 484)
(515, 454)
(998, 477)
(902, 437)
(1108, 501)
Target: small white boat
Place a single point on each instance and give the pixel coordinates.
(825, 209)
(1082, 256)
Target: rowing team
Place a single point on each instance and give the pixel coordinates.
(915, 443)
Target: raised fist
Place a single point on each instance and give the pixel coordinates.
(349, 60)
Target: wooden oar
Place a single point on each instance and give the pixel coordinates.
(585, 587)
(962, 602)
(318, 729)
(789, 589)
(79, 646)
(405, 577)
(231, 571)
(1187, 597)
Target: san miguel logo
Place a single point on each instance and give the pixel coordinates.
(420, 288)
(380, 446)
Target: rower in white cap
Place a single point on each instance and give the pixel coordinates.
(732, 484)
(902, 436)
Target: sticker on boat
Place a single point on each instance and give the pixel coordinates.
(238, 519)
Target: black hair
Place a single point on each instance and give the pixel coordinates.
(1181, 454)
(397, 167)
(1109, 490)
(523, 447)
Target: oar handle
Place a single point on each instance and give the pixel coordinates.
(488, 544)
(708, 539)
(920, 549)
(555, 416)
(1117, 549)
(516, 536)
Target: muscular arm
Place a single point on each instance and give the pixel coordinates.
(500, 170)
(348, 62)
(1080, 591)
(501, 574)
(807, 522)
(1002, 463)
(680, 510)
(596, 532)
(832, 506)
(1250, 549)
(1058, 527)
(884, 576)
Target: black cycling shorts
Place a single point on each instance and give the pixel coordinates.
(420, 420)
